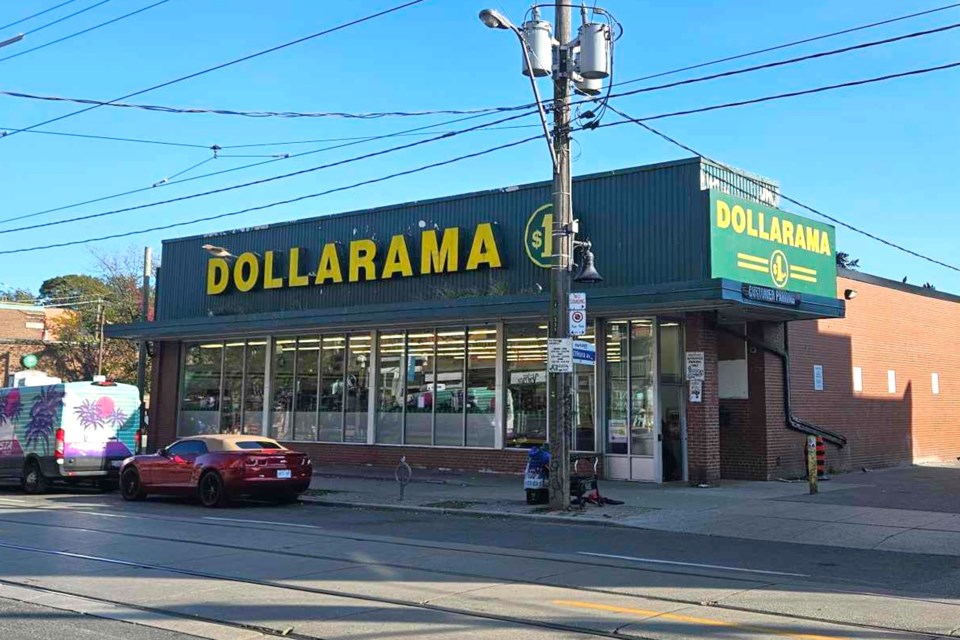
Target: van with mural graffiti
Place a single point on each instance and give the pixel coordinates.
(71, 432)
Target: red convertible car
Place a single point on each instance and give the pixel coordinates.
(217, 469)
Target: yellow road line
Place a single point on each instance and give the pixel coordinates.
(753, 267)
(809, 272)
(749, 258)
(797, 276)
(676, 617)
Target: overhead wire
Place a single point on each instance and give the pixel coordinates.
(220, 216)
(83, 31)
(330, 165)
(818, 212)
(224, 65)
(351, 142)
(36, 15)
(793, 43)
(715, 107)
(481, 111)
(110, 138)
(66, 17)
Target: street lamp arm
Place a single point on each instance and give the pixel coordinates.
(536, 96)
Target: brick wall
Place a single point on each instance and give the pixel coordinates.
(887, 326)
(164, 396)
(703, 419)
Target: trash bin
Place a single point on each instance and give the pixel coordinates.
(536, 475)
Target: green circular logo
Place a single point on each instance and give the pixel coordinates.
(29, 361)
(779, 269)
(538, 236)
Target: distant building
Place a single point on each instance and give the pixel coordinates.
(26, 328)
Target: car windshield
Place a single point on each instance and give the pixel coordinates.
(257, 444)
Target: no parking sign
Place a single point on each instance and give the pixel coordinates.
(578, 322)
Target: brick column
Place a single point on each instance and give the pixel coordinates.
(164, 395)
(703, 419)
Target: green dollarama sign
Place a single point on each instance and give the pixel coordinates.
(757, 244)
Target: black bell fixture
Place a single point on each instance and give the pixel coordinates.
(588, 273)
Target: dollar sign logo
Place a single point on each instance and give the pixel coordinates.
(779, 269)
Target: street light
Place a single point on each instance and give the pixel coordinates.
(584, 62)
(15, 39)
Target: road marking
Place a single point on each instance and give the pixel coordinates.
(14, 500)
(694, 564)
(675, 617)
(277, 524)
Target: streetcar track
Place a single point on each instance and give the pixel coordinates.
(541, 582)
(345, 595)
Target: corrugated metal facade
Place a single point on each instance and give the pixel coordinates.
(648, 226)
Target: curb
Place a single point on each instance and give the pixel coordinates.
(481, 513)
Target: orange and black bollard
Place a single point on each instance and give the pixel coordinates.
(812, 463)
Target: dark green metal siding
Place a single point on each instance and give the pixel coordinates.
(649, 226)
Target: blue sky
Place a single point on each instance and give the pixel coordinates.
(880, 157)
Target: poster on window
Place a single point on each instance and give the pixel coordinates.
(617, 431)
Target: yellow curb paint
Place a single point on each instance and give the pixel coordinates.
(649, 613)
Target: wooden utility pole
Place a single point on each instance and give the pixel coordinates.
(560, 409)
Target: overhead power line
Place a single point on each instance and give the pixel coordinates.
(350, 143)
(83, 31)
(66, 17)
(224, 65)
(269, 205)
(36, 15)
(284, 176)
(847, 225)
(781, 63)
(781, 96)
(727, 105)
(478, 111)
(794, 43)
(68, 134)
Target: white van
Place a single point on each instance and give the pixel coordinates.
(70, 432)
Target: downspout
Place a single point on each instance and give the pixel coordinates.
(793, 422)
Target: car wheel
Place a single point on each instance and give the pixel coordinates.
(131, 488)
(211, 490)
(33, 480)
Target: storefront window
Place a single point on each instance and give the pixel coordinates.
(200, 399)
(231, 408)
(642, 388)
(305, 391)
(617, 390)
(391, 375)
(332, 359)
(420, 382)
(357, 389)
(254, 371)
(482, 387)
(584, 401)
(526, 398)
(448, 388)
(284, 370)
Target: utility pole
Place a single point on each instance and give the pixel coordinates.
(559, 383)
(583, 62)
(142, 345)
(100, 322)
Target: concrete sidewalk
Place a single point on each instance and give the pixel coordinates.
(773, 511)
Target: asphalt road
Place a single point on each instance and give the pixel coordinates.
(26, 621)
(258, 570)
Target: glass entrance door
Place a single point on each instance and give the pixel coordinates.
(632, 430)
(673, 430)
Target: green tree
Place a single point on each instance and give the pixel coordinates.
(112, 296)
(16, 294)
